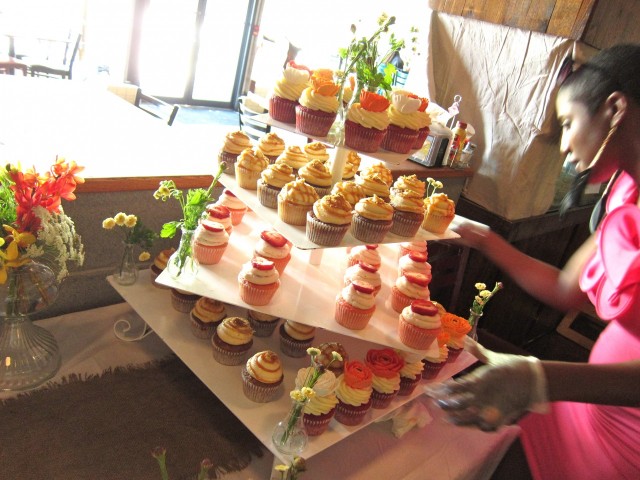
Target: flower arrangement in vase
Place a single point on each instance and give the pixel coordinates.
(479, 302)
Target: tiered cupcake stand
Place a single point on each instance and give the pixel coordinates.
(307, 295)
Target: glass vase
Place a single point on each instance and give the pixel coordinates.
(473, 321)
(183, 264)
(127, 271)
(289, 436)
(29, 354)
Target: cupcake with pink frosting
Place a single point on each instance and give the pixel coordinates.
(355, 305)
(366, 253)
(414, 262)
(236, 207)
(363, 272)
(259, 280)
(210, 241)
(419, 324)
(409, 287)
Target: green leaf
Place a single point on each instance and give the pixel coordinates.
(169, 229)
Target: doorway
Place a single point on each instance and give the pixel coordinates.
(192, 52)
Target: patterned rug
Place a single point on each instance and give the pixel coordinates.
(106, 427)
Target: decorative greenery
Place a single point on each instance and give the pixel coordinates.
(293, 470)
(160, 454)
(136, 233)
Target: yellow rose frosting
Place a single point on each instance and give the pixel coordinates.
(374, 208)
(379, 168)
(333, 209)
(315, 101)
(252, 160)
(271, 144)
(410, 182)
(373, 185)
(236, 142)
(377, 120)
(351, 191)
(316, 173)
(277, 175)
(298, 192)
(292, 83)
(407, 201)
(293, 156)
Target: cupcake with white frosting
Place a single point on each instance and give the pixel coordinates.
(419, 324)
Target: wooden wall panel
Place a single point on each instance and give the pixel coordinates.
(612, 22)
(570, 18)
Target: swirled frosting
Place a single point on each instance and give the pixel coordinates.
(293, 156)
(160, 261)
(292, 83)
(357, 299)
(211, 234)
(358, 274)
(377, 120)
(352, 396)
(411, 289)
(316, 151)
(265, 249)
(298, 192)
(258, 276)
(271, 144)
(315, 101)
(333, 209)
(236, 142)
(235, 331)
(277, 175)
(252, 159)
(407, 201)
(325, 385)
(373, 185)
(386, 385)
(230, 201)
(299, 331)
(412, 370)
(366, 254)
(428, 322)
(410, 182)
(316, 173)
(222, 215)
(440, 205)
(265, 367)
(408, 264)
(411, 120)
(320, 405)
(374, 208)
(351, 191)
(208, 310)
(380, 169)
(416, 246)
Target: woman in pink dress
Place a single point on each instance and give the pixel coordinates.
(588, 425)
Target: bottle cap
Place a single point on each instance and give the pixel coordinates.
(462, 125)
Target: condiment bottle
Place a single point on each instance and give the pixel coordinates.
(459, 137)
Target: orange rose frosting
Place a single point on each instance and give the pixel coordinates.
(373, 102)
(454, 325)
(385, 363)
(357, 375)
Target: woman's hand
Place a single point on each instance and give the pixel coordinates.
(472, 234)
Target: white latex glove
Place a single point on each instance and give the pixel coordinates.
(495, 394)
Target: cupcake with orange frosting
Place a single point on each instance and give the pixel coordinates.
(159, 264)
(351, 191)
(232, 340)
(355, 305)
(329, 220)
(206, 315)
(366, 253)
(403, 122)
(272, 179)
(295, 200)
(273, 246)
(367, 122)
(320, 408)
(363, 272)
(287, 91)
(354, 393)
(373, 184)
(271, 146)
(210, 241)
(378, 168)
(439, 213)
(316, 151)
(409, 182)
(385, 365)
(294, 156)
(419, 324)
(220, 214)
(411, 372)
(234, 144)
(262, 376)
(318, 105)
(373, 219)
(259, 280)
(249, 166)
(316, 174)
(407, 288)
(408, 213)
(295, 338)
(236, 207)
(457, 328)
(434, 362)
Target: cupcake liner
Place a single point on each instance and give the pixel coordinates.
(321, 191)
(351, 415)
(293, 214)
(236, 215)
(322, 233)
(361, 138)
(292, 347)
(369, 231)
(154, 272)
(408, 385)
(201, 329)
(436, 223)
(406, 224)
(279, 263)
(431, 369)
(351, 317)
(247, 179)
(229, 357)
(381, 400)
(454, 353)
(416, 337)
(314, 122)
(399, 140)
(283, 110)
(399, 300)
(208, 254)
(230, 160)
(257, 391)
(262, 329)
(183, 303)
(267, 195)
(422, 136)
(317, 424)
(255, 294)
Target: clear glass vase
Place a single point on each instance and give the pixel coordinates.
(127, 271)
(183, 263)
(29, 354)
(289, 436)
(473, 321)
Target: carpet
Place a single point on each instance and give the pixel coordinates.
(106, 426)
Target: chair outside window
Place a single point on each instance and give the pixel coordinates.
(57, 61)
(157, 107)
(247, 110)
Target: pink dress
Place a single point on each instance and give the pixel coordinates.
(585, 441)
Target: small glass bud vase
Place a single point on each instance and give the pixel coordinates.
(289, 436)
(473, 321)
(127, 271)
(183, 263)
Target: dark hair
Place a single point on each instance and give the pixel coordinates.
(610, 70)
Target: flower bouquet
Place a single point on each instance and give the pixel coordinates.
(479, 302)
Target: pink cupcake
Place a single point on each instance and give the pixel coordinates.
(419, 324)
(236, 207)
(409, 287)
(385, 364)
(259, 281)
(367, 253)
(273, 246)
(220, 214)
(355, 305)
(210, 241)
(414, 262)
(363, 272)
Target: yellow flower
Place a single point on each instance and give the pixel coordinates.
(297, 395)
(10, 257)
(120, 218)
(22, 239)
(485, 293)
(313, 351)
(281, 468)
(130, 221)
(481, 286)
(108, 223)
(308, 393)
(144, 256)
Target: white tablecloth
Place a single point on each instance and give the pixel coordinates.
(437, 451)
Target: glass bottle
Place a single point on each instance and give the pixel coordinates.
(457, 143)
(289, 436)
(183, 263)
(127, 271)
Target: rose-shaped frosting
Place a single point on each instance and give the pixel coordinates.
(355, 273)
(313, 100)
(385, 363)
(321, 405)
(353, 396)
(230, 201)
(411, 289)
(351, 191)
(379, 168)
(293, 156)
(292, 83)
(316, 151)
(325, 385)
(457, 327)
(255, 275)
(403, 103)
(265, 249)
(211, 234)
(374, 208)
(357, 375)
(407, 201)
(235, 331)
(377, 120)
(316, 173)
(277, 175)
(357, 299)
(298, 192)
(410, 182)
(440, 205)
(262, 317)
(163, 257)
(208, 310)
(299, 331)
(373, 184)
(236, 142)
(252, 159)
(366, 253)
(333, 209)
(271, 144)
(265, 367)
(421, 321)
(416, 263)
